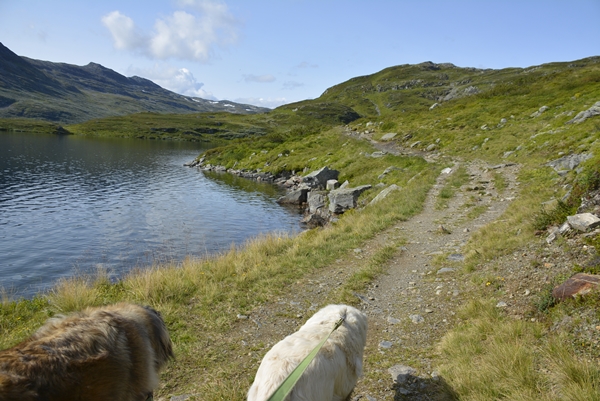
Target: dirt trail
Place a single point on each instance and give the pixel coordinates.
(410, 306)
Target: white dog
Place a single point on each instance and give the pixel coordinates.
(333, 373)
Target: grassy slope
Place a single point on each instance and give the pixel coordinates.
(200, 298)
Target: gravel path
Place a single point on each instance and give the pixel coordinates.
(410, 306)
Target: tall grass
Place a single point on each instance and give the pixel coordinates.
(492, 357)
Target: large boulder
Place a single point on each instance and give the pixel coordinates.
(343, 199)
(297, 197)
(319, 178)
(316, 200)
(583, 221)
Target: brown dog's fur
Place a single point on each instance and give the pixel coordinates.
(111, 353)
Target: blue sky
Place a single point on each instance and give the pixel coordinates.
(271, 52)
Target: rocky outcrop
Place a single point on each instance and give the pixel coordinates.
(584, 115)
(319, 191)
(568, 163)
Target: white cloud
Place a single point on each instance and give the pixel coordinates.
(126, 35)
(184, 35)
(259, 78)
(178, 80)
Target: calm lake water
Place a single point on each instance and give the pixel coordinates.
(69, 205)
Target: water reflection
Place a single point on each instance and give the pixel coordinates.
(68, 204)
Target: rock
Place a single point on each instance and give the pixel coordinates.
(314, 220)
(388, 170)
(389, 136)
(332, 184)
(539, 112)
(401, 373)
(320, 177)
(343, 199)
(444, 230)
(296, 197)
(583, 221)
(447, 170)
(315, 201)
(501, 304)
(569, 162)
(456, 257)
(385, 193)
(579, 284)
(431, 147)
(416, 319)
(392, 320)
(385, 345)
(433, 106)
(445, 270)
(584, 115)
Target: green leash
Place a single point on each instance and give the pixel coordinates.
(284, 388)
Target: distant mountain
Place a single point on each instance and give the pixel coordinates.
(67, 94)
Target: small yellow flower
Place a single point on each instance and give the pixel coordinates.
(488, 284)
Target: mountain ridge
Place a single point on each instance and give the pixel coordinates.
(67, 94)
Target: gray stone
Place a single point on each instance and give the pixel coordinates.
(540, 111)
(296, 197)
(332, 184)
(385, 345)
(389, 136)
(385, 193)
(583, 221)
(416, 319)
(343, 199)
(568, 162)
(445, 270)
(401, 373)
(392, 320)
(456, 257)
(320, 177)
(315, 200)
(584, 115)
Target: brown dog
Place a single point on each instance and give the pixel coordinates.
(111, 353)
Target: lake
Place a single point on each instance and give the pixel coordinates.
(69, 205)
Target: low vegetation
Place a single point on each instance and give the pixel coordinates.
(488, 355)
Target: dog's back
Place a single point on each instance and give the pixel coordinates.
(108, 353)
(333, 373)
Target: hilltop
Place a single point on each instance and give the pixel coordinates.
(67, 94)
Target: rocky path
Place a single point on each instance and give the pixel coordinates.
(410, 306)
